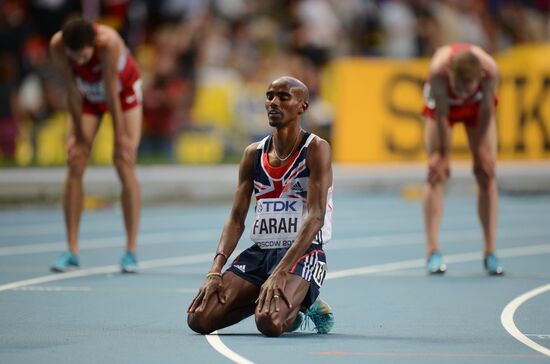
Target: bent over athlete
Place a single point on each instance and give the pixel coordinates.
(100, 76)
(278, 278)
(461, 88)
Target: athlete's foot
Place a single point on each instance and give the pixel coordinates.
(128, 263)
(65, 261)
(435, 264)
(321, 315)
(492, 265)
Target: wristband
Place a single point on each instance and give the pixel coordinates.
(214, 274)
(219, 252)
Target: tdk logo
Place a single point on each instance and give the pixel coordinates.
(278, 206)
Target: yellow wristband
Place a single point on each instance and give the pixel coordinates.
(209, 275)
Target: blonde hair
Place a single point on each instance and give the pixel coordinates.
(466, 66)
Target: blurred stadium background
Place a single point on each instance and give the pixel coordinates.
(205, 66)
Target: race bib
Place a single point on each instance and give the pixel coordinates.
(277, 222)
(93, 91)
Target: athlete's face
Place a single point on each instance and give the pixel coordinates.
(81, 56)
(463, 88)
(283, 103)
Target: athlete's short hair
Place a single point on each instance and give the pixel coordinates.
(466, 66)
(78, 33)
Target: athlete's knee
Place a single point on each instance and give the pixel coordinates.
(125, 167)
(122, 161)
(269, 324)
(437, 176)
(200, 323)
(77, 160)
(484, 174)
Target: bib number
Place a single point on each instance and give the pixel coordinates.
(277, 222)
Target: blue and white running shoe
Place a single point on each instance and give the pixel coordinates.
(492, 265)
(65, 261)
(128, 263)
(321, 315)
(435, 264)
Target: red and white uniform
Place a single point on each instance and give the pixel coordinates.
(89, 80)
(464, 110)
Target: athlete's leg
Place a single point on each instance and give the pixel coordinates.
(240, 296)
(124, 158)
(434, 190)
(484, 154)
(273, 323)
(79, 146)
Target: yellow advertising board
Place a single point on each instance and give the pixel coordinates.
(379, 101)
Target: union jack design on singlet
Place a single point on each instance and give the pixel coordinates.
(281, 198)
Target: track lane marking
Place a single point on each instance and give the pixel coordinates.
(507, 319)
(399, 239)
(218, 345)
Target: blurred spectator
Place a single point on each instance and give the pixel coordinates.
(47, 16)
(399, 25)
(14, 28)
(428, 35)
(9, 113)
(460, 23)
(521, 24)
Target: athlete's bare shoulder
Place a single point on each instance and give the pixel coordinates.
(250, 150)
(108, 37)
(319, 152)
(56, 41)
(488, 63)
(57, 50)
(319, 143)
(439, 63)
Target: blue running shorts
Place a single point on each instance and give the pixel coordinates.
(256, 264)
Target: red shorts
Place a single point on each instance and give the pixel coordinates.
(467, 113)
(130, 95)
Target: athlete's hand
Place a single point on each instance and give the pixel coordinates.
(438, 168)
(77, 148)
(124, 149)
(211, 286)
(272, 293)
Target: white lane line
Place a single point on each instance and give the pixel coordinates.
(110, 242)
(201, 258)
(192, 259)
(209, 234)
(455, 258)
(110, 223)
(218, 345)
(53, 289)
(507, 319)
(539, 336)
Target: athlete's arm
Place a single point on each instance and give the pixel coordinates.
(109, 54)
(438, 164)
(488, 90)
(232, 231)
(439, 87)
(320, 179)
(63, 68)
(234, 227)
